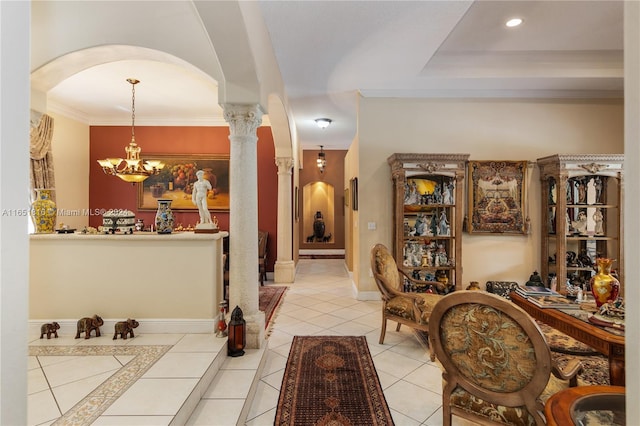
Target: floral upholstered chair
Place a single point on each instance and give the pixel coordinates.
(412, 309)
(497, 365)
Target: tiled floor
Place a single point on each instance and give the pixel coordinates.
(152, 374)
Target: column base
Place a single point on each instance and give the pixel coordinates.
(255, 330)
(284, 271)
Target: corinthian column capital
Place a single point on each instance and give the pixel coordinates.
(243, 120)
(285, 165)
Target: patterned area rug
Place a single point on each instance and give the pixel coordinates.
(560, 342)
(269, 300)
(331, 380)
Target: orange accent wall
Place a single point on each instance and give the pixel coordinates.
(109, 192)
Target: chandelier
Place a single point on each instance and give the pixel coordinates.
(131, 169)
(322, 160)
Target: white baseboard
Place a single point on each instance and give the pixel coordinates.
(149, 325)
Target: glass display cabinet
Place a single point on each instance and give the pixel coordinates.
(582, 205)
(428, 190)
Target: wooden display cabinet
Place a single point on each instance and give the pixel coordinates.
(428, 190)
(582, 208)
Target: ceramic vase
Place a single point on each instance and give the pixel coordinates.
(318, 226)
(604, 286)
(44, 212)
(164, 217)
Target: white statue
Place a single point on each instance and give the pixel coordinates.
(598, 218)
(199, 194)
(580, 225)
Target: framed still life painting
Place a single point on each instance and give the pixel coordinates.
(175, 182)
(497, 197)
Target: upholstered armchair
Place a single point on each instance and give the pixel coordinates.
(412, 309)
(497, 364)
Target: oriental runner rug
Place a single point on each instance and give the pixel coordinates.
(331, 380)
(269, 298)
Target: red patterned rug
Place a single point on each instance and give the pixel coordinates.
(331, 380)
(269, 300)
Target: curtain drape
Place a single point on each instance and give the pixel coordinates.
(41, 135)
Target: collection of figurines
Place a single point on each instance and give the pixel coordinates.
(427, 254)
(574, 260)
(581, 190)
(428, 225)
(442, 193)
(87, 325)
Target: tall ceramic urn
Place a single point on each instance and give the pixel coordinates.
(604, 286)
(44, 212)
(164, 217)
(318, 226)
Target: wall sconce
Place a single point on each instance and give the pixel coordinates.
(323, 123)
(237, 333)
(322, 160)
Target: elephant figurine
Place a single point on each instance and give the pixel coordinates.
(88, 324)
(125, 327)
(49, 329)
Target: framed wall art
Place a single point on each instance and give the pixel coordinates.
(497, 197)
(175, 182)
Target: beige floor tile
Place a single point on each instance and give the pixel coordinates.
(36, 381)
(162, 397)
(70, 394)
(133, 420)
(412, 401)
(266, 398)
(216, 412)
(79, 368)
(42, 408)
(230, 384)
(185, 365)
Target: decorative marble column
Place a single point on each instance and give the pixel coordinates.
(284, 269)
(243, 121)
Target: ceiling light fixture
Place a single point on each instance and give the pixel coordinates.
(323, 123)
(322, 160)
(131, 169)
(513, 22)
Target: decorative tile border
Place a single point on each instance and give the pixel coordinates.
(93, 405)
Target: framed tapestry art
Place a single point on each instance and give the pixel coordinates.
(497, 197)
(175, 182)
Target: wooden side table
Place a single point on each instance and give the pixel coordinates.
(601, 404)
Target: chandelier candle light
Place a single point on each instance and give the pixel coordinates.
(322, 160)
(131, 169)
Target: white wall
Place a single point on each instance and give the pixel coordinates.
(487, 130)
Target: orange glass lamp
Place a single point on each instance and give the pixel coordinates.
(237, 332)
(131, 169)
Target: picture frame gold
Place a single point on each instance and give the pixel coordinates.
(176, 179)
(497, 197)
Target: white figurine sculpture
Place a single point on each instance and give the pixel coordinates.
(199, 194)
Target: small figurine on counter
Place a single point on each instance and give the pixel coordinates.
(473, 285)
(535, 279)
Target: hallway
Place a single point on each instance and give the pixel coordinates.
(150, 377)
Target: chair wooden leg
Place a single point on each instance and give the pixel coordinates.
(383, 330)
(398, 327)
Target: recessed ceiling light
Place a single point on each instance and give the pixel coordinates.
(513, 22)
